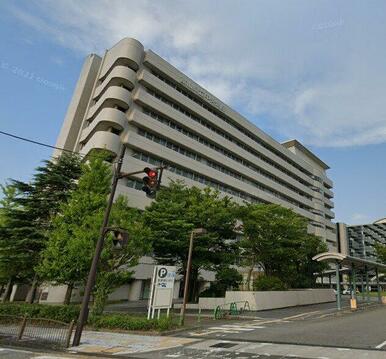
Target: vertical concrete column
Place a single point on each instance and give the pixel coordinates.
(354, 283)
(367, 286)
(362, 287)
(378, 286)
(338, 291)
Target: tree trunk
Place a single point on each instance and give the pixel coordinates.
(193, 288)
(249, 277)
(67, 298)
(8, 290)
(32, 291)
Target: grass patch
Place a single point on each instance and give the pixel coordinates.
(373, 294)
(131, 322)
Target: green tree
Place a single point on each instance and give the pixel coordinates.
(179, 209)
(265, 283)
(75, 230)
(226, 278)
(381, 252)
(7, 202)
(24, 236)
(276, 238)
(7, 271)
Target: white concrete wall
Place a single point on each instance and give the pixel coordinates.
(56, 294)
(271, 299)
(121, 293)
(281, 299)
(210, 303)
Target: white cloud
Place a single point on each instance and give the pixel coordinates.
(325, 85)
(359, 218)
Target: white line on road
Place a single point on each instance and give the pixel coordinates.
(381, 345)
(14, 350)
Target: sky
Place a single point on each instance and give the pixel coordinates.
(310, 70)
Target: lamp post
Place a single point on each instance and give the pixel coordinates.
(196, 231)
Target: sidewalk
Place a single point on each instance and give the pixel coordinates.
(124, 344)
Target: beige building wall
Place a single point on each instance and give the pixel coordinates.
(134, 97)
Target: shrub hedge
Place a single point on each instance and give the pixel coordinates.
(63, 313)
(264, 282)
(129, 322)
(67, 313)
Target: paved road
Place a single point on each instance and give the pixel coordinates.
(215, 349)
(19, 353)
(361, 329)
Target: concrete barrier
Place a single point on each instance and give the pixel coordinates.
(280, 299)
(271, 299)
(210, 303)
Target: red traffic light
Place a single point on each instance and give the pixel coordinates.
(151, 173)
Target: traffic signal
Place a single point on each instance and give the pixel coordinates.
(120, 239)
(151, 182)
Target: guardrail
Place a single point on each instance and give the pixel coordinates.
(220, 311)
(39, 330)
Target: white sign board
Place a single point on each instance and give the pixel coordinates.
(162, 289)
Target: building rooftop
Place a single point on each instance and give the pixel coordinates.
(297, 144)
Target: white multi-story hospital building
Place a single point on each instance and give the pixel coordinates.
(165, 117)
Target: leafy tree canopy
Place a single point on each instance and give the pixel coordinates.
(381, 252)
(76, 228)
(27, 211)
(178, 210)
(276, 238)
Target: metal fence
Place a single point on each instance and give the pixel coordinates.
(38, 330)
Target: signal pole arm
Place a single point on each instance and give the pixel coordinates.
(125, 174)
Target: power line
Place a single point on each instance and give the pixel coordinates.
(34, 142)
(42, 144)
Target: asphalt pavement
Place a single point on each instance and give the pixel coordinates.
(25, 353)
(363, 329)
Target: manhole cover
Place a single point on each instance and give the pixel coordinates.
(223, 345)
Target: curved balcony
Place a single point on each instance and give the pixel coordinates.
(119, 75)
(107, 117)
(113, 96)
(102, 140)
(127, 52)
(318, 205)
(317, 196)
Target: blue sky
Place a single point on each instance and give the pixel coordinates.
(311, 70)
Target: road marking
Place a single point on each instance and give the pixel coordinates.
(249, 326)
(14, 350)
(381, 345)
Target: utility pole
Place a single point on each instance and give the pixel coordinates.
(187, 273)
(83, 315)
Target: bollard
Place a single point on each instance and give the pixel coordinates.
(22, 327)
(69, 333)
(353, 304)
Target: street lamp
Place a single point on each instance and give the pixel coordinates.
(196, 231)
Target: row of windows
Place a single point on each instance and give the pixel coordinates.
(221, 150)
(138, 185)
(196, 157)
(233, 124)
(223, 134)
(195, 177)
